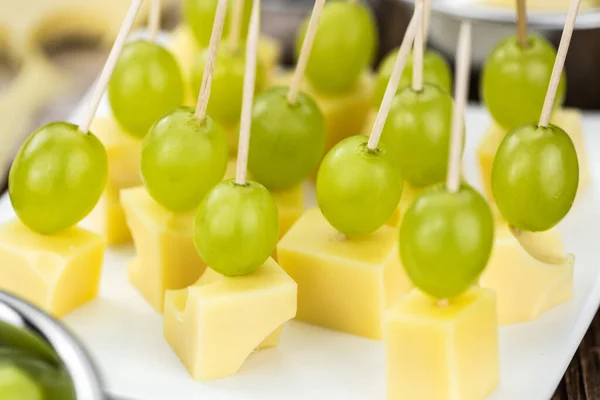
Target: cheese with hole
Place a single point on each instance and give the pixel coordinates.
(345, 113)
(57, 272)
(215, 324)
(438, 352)
(344, 284)
(123, 152)
(290, 202)
(526, 287)
(569, 119)
(166, 256)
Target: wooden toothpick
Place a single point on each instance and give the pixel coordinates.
(209, 66)
(248, 95)
(392, 87)
(309, 39)
(107, 71)
(463, 69)
(235, 22)
(418, 49)
(154, 19)
(426, 19)
(559, 63)
(522, 34)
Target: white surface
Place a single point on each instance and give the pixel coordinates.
(125, 335)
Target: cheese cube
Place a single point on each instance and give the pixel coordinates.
(166, 255)
(526, 287)
(343, 283)
(409, 194)
(123, 152)
(568, 118)
(290, 202)
(57, 273)
(345, 113)
(436, 352)
(214, 325)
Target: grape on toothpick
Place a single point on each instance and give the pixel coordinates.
(199, 15)
(345, 44)
(185, 153)
(436, 71)
(417, 130)
(225, 103)
(358, 183)
(536, 172)
(60, 171)
(447, 233)
(288, 128)
(237, 224)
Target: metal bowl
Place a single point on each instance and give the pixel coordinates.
(28, 328)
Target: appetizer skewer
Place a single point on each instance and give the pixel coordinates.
(241, 302)
(183, 156)
(544, 177)
(358, 187)
(55, 181)
(446, 328)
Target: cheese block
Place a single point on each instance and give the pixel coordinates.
(290, 202)
(436, 352)
(123, 152)
(215, 324)
(344, 284)
(57, 273)
(345, 113)
(166, 255)
(526, 287)
(185, 49)
(409, 194)
(568, 119)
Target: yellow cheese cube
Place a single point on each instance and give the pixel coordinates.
(526, 287)
(343, 283)
(290, 202)
(345, 113)
(57, 273)
(409, 194)
(214, 325)
(436, 352)
(166, 256)
(123, 152)
(568, 118)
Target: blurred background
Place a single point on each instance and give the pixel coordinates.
(52, 50)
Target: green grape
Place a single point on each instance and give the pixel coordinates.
(417, 134)
(183, 158)
(53, 380)
(345, 44)
(236, 227)
(535, 177)
(200, 16)
(515, 81)
(17, 385)
(287, 141)
(436, 71)
(225, 103)
(57, 177)
(446, 240)
(358, 188)
(145, 85)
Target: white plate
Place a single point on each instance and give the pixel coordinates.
(125, 335)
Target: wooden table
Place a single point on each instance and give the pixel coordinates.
(582, 378)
